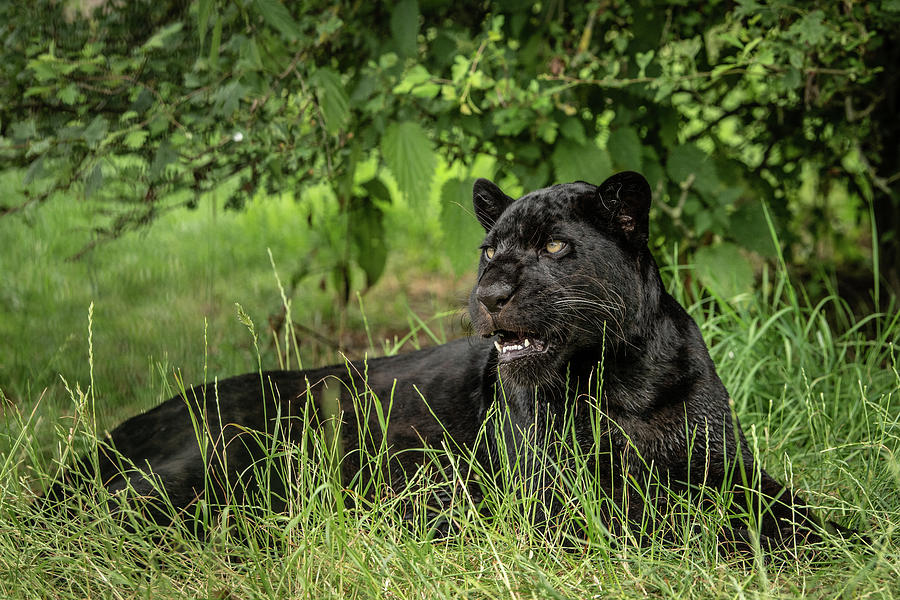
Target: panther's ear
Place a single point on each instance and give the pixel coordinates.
(626, 196)
(489, 202)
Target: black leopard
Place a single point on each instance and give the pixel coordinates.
(574, 340)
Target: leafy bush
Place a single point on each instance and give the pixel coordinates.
(164, 104)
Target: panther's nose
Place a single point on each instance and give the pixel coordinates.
(494, 296)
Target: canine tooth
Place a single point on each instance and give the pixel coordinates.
(498, 346)
(527, 343)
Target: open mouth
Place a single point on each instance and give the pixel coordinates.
(512, 345)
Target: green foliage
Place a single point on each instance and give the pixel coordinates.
(457, 218)
(410, 157)
(724, 270)
(722, 105)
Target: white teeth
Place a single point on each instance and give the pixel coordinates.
(508, 347)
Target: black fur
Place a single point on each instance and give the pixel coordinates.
(567, 269)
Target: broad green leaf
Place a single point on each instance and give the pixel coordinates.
(93, 181)
(69, 94)
(367, 233)
(165, 155)
(39, 147)
(688, 160)
(651, 169)
(703, 219)
(573, 129)
(405, 26)
(580, 162)
(23, 130)
(810, 28)
(413, 77)
(142, 101)
(624, 147)
(331, 25)
(158, 124)
(512, 121)
(426, 90)
(532, 177)
(45, 68)
(228, 97)
(410, 156)
(250, 53)
(460, 69)
(547, 130)
(417, 81)
(377, 190)
(35, 171)
(387, 60)
(462, 233)
(750, 229)
(792, 78)
(333, 100)
(277, 16)
(643, 60)
(96, 131)
(163, 37)
(346, 176)
(135, 139)
(724, 270)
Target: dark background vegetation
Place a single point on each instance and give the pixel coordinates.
(726, 106)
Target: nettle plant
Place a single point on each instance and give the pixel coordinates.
(157, 105)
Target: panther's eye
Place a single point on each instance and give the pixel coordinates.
(555, 247)
(489, 252)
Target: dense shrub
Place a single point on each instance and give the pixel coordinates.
(151, 106)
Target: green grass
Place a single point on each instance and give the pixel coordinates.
(815, 387)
